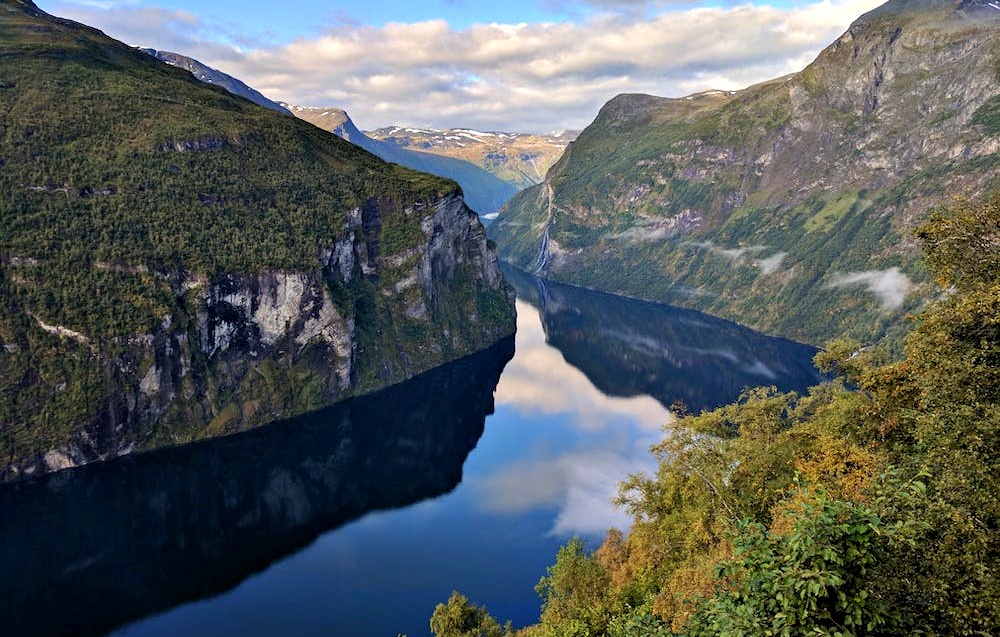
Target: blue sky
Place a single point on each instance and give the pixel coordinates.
(523, 65)
(285, 21)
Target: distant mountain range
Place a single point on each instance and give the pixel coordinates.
(519, 158)
(790, 205)
(484, 191)
(490, 167)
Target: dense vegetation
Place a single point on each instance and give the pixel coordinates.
(130, 189)
(868, 506)
(151, 170)
(762, 205)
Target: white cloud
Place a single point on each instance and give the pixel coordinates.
(541, 76)
(771, 264)
(890, 286)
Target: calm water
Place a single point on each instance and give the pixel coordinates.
(357, 520)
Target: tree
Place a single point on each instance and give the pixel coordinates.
(816, 579)
(461, 618)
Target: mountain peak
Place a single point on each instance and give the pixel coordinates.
(329, 118)
(978, 9)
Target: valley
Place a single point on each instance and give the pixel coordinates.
(789, 205)
(720, 363)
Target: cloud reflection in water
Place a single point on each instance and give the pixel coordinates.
(611, 439)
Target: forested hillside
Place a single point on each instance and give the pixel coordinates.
(788, 206)
(868, 506)
(177, 262)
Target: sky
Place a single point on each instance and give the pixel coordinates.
(510, 65)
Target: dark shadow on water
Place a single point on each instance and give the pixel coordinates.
(628, 347)
(86, 551)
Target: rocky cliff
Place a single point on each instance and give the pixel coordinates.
(789, 205)
(183, 268)
(150, 532)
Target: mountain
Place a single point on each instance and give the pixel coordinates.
(484, 191)
(214, 76)
(629, 348)
(144, 533)
(178, 263)
(788, 206)
(519, 158)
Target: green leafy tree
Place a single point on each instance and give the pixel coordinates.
(817, 579)
(461, 618)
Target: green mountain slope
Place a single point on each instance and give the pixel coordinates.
(209, 75)
(177, 262)
(484, 191)
(789, 205)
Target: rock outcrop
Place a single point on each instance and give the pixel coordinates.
(790, 205)
(180, 269)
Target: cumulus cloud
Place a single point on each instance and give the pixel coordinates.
(890, 286)
(531, 77)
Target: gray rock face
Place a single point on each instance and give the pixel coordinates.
(209, 75)
(790, 205)
(254, 348)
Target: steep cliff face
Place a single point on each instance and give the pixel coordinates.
(242, 350)
(179, 269)
(789, 205)
(143, 531)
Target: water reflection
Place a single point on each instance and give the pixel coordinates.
(85, 551)
(608, 367)
(629, 348)
(581, 441)
(576, 410)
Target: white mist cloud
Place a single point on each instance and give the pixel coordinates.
(530, 77)
(771, 264)
(890, 286)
